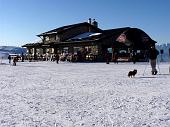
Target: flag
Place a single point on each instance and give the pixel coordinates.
(121, 38)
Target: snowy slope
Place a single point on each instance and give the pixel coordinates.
(46, 94)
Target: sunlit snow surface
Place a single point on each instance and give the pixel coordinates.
(46, 94)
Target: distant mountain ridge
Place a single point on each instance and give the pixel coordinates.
(165, 57)
(6, 50)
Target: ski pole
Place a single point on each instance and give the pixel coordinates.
(145, 69)
(158, 66)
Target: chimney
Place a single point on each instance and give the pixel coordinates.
(94, 23)
(89, 21)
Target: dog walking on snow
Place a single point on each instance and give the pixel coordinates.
(132, 73)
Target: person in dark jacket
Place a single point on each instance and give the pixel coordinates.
(107, 57)
(153, 53)
(14, 61)
(9, 58)
(57, 57)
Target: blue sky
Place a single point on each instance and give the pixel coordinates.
(22, 20)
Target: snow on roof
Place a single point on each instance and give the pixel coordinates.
(95, 34)
(85, 35)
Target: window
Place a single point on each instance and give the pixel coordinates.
(47, 38)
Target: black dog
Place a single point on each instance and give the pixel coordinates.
(132, 73)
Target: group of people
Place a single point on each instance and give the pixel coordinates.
(152, 55)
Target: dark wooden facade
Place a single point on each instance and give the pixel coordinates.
(89, 43)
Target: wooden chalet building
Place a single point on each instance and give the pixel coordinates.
(86, 42)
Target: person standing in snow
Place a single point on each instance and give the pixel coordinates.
(14, 61)
(9, 58)
(57, 57)
(116, 57)
(134, 55)
(107, 57)
(153, 53)
(22, 57)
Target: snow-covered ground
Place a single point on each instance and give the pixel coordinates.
(46, 94)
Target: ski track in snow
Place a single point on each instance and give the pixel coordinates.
(46, 94)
